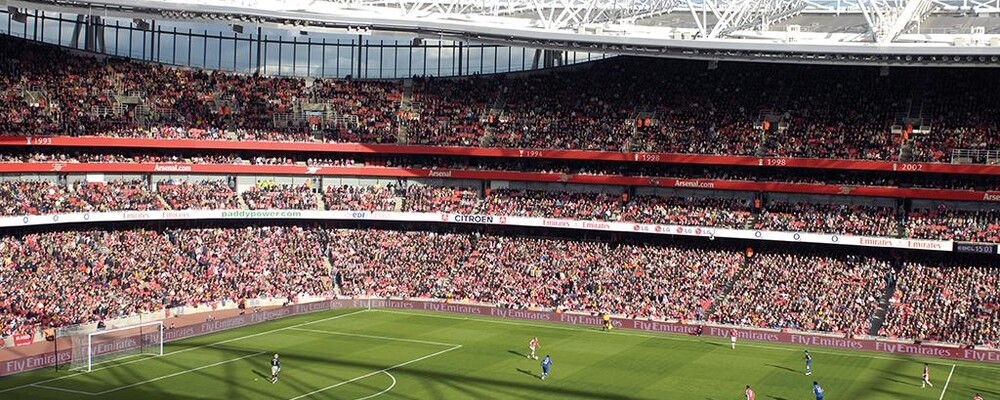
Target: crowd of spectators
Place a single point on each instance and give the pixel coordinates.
(119, 195)
(59, 278)
(943, 303)
(953, 224)
(42, 197)
(395, 263)
(820, 293)
(852, 219)
(88, 275)
(30, 198)
(623, 104)
(425, 198)
(567, 205)
(202, 195)
(370, 198)
(693, 211)
(641, 281)
(942, 223)
(267, 195)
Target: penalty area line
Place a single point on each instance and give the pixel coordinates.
(178, 373)
(945, 389)
(187, 349)
(375, 337)
(65, 390)
(384, 391)
(456, 347)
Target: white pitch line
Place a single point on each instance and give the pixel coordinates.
(375, 373)
(121, 358)
(376, 337)
(945, 389)
(177, 373)
(663, 337)
(383, 390)
(187, 349)
(64, 390)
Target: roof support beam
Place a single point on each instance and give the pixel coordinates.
(752, 15)
(887, 19)
(914, 12)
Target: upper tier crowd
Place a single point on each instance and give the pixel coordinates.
(57, 278)
(941, 223)
(622, 104)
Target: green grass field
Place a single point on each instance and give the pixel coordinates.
(388, 354)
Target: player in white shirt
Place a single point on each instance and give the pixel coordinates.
(275, 368)
(732, 338)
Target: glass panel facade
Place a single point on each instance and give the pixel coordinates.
(273, 51)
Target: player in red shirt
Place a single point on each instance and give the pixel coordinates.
(732, 338)
(532, 346)
(750, 394)
(927, 377)
(978, 397)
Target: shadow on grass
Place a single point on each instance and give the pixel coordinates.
(776, 397)
(987, 391)
(529, 373)
(781, 367)
(261, 374)
(900, 381)
(422, 372)
(517, 353)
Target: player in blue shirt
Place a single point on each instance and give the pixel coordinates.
(818, 391)
(809, 361)
(546, 364)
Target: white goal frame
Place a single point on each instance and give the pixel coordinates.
(90, 339)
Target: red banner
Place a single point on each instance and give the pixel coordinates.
(713, 184)
(861, 165)
(23, 340)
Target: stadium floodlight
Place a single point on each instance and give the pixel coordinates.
(108, 345)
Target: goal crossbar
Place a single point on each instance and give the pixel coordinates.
(124, 345)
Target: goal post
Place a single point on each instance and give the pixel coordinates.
(91, 348)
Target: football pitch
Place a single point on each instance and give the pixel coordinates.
(389, 354)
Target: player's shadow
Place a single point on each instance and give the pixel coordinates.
(519, 354)
(776, 397)
(529, 373)
(261, 374)
(981, 390)
(781, 367)
(713, 343)
(901, 382)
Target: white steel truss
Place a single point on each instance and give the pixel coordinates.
(747, 15)
(886, 19)
(778, 27)
(551, 14)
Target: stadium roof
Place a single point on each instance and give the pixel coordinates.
(887, 32)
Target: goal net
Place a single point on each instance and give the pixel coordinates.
(103, 346)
